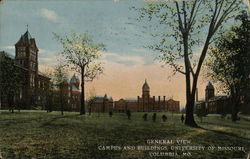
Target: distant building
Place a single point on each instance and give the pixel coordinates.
(147, 103)
(218, 103)
(213, 103)
(100, 104)
(34, 84)
(70, 95)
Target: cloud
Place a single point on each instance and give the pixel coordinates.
(126, 60)
(49, 15)
(8, 47)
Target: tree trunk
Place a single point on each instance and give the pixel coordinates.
(235, 106)
(82, 111)
(189, 97)
(190, 112)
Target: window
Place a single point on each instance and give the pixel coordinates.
(21, 93)
(32, 80)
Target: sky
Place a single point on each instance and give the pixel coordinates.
(127, 63)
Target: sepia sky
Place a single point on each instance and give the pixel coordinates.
(127, 63)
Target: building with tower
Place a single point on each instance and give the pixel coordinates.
(146, 103)
(33, 84)
(214, 103)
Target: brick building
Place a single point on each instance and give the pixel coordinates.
(70, 95)
(101, 104)
(33, 84)
(147, 103)
(213, 103)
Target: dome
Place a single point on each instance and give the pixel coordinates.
(209, 85)
(145, 85)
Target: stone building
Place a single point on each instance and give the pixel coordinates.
(33, 84)
(146, 103)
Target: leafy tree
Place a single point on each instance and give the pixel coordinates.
(185, 27)
(229, 62)
(60, 77)
(9, 79)
(81, 53)
(49, 90)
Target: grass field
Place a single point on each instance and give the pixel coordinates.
(37, 134)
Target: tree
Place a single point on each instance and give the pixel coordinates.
(191, 25)
(229, 62)
(49, 89)
(9, 79)
(91, 99)
(81, 53)
(60, 77)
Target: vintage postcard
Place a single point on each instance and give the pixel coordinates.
(125, 79)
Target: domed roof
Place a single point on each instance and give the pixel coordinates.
(74, 79)
(145, 85)
(209, 85)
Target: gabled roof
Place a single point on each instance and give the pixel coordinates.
(102, 98)
(27, 39)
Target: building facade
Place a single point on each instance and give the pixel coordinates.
(101, 104)
(146, 103)
(33, 84)
(213, 103)
(69, 97)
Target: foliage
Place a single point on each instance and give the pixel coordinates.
(186, 26)
(80, 53)
(60, 81)
(229, 61)
(10, 79)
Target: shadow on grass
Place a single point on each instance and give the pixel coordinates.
(225, 133)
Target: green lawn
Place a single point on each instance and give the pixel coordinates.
(37, 134)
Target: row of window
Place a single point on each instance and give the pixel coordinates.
(21, 54)
(33, 65)
(41, 84)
